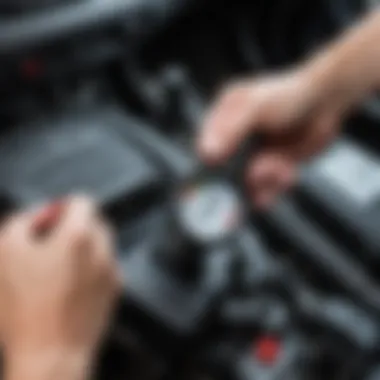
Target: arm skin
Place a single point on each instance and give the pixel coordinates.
(349, 69)
(52, 365)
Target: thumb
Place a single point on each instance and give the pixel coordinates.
(227, 124)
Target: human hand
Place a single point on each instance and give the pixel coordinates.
(292, 111)
(58, 285)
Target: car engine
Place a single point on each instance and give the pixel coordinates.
(104, 97)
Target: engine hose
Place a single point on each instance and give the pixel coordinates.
(325, 254)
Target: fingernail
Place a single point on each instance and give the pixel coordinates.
(48, 215)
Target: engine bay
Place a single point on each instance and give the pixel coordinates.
(107, 101)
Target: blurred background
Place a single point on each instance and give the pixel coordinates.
(105, 96)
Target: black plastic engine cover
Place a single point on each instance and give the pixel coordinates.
(84, 152)
(342, 192)
(181, 308)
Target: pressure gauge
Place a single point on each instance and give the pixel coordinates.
(208, 210)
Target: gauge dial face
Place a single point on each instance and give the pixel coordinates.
(209, 210)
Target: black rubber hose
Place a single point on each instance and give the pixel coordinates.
(325, 254)
(163, 152)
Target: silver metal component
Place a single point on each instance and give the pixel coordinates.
(209, 210)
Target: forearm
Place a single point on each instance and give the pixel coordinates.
(349, 69)
(55, 365)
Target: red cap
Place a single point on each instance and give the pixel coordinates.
(267, 349)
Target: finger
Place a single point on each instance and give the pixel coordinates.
(264, 199)
(106, 257)
(103, 311)
(21, 228)
(106, 283)
(266, 196)
(273, 171)
(99, 269)
(270, 168)
(16, 234)
(76, 224)
(19, 223)
(104, 246)
(227, 124)
(268, 175)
